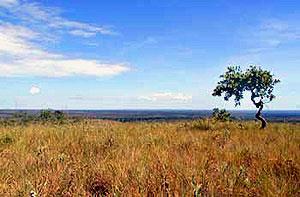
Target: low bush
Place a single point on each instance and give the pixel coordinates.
(221, 115)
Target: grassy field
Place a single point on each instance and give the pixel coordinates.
(201, 158)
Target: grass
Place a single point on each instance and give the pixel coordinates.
(195, 158)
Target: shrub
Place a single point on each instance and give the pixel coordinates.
(52, 116)
(221, 115)
(59, 116)
(22, 118)
(45, 115)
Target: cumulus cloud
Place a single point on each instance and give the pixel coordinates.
(166, 97)
(34, 90)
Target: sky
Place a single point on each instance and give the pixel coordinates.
(143, 54)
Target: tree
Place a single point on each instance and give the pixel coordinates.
(260, 83)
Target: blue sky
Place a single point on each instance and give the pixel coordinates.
(142, 54)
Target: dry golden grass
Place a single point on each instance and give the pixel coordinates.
(201, 158)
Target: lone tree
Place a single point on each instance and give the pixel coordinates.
(260, 83)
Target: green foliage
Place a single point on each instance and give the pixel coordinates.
(221, 115)
(19, 118)
(260, 83)
(22, 118)
(48, 115)
(45, 115)
(59, 115)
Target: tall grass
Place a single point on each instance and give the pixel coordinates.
(94, 158)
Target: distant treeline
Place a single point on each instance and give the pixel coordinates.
(59, 117)
(63, 116)
(44, 116)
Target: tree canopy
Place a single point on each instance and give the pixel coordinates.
(260, 83)
(235, 82)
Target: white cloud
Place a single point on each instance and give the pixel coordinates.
(274, 33)
(23, 51)
(275, 25)
(8, 3)
(51, 17)
(60, 68)
(82, 33)
(34, 90)
(21, 56)
(167, 97)
(261, 40)
(271, 33)
(16, 41)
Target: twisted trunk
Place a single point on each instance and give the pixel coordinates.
(258, 116)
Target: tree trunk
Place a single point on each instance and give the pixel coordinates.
(259, 117)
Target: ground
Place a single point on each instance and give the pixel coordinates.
(184, 158)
